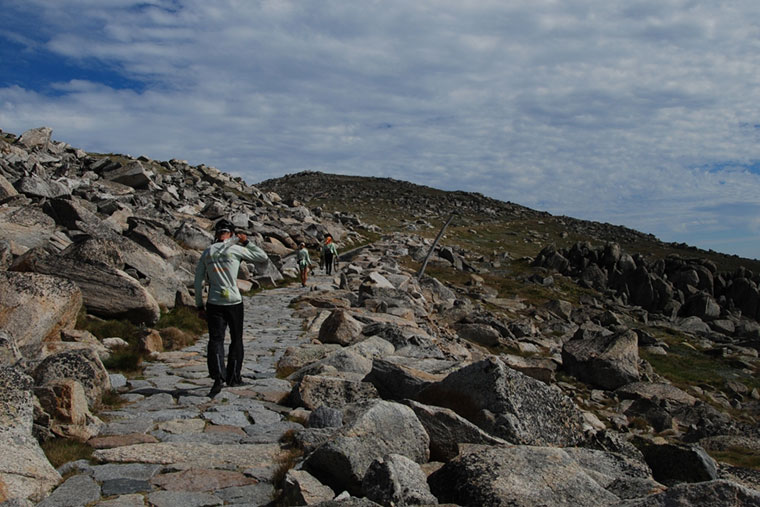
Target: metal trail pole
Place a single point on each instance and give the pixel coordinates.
(430, 252)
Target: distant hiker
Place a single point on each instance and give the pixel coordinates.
(329, 254)
(304, 263)
(218, 266)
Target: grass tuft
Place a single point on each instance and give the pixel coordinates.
(60, 451)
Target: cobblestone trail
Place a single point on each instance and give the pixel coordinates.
(173, 446)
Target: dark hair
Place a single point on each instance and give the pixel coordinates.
(223, 224)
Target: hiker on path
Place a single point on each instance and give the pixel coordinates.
(304, 263)
(218, 266)
(329, 254)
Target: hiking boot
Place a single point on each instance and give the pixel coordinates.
(235, 382)
(216, 388)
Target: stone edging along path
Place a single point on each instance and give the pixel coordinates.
(173, 446)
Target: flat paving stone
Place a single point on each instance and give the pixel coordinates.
(199, 455)
(134, 500)
(255, 494)
(137, 471)
(183, 499)
(74, 492)
(124, 487)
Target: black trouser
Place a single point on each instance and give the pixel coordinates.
(219, 317)
(329, 262)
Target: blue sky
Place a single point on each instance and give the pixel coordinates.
(639, 113)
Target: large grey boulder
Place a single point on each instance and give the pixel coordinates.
(34, 185)
(606, 361)
(675, 463)
(82, 365)
(25, 227)
(341, 328)
(313, 391)
(517, 476)
(154, 272)
(396, 480)
(71, 214)
(191, 236)
(106, 291)
(302, 488)
(36, 138)
(34, 308)
(717, 493)
(371, 430)
(508, 404)
(25, 472)
(133, 174)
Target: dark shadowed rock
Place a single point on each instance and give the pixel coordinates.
(508, 404)
(717, 493)
(371, 430)
(605, 361)
(517, 476)
(133, 174)
(396, 480)
(447, 430)
(673, 463)
(397, 382)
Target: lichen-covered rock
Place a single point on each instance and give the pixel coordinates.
(717, 493)
(371, 430)
(607, 361)
(36, 307)
(397, 480)
(517, 476)
(82, 365)
(508, 404)
(25, 472)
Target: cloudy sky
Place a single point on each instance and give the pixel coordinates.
(638, 113)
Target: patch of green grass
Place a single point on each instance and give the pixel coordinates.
(685, 365)
(184, 318)
(61, 450)
(112, 400)
(127, 361)
(738, 456)
(110, 328)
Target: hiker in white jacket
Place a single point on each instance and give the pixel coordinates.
(218, 266)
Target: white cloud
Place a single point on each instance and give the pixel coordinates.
(591, 109)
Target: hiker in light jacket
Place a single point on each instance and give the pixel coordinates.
(218, 266)
(304, 263)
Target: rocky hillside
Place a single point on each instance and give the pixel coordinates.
(400, 205)
(533, 349)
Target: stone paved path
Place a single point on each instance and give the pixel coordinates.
(173, 446)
